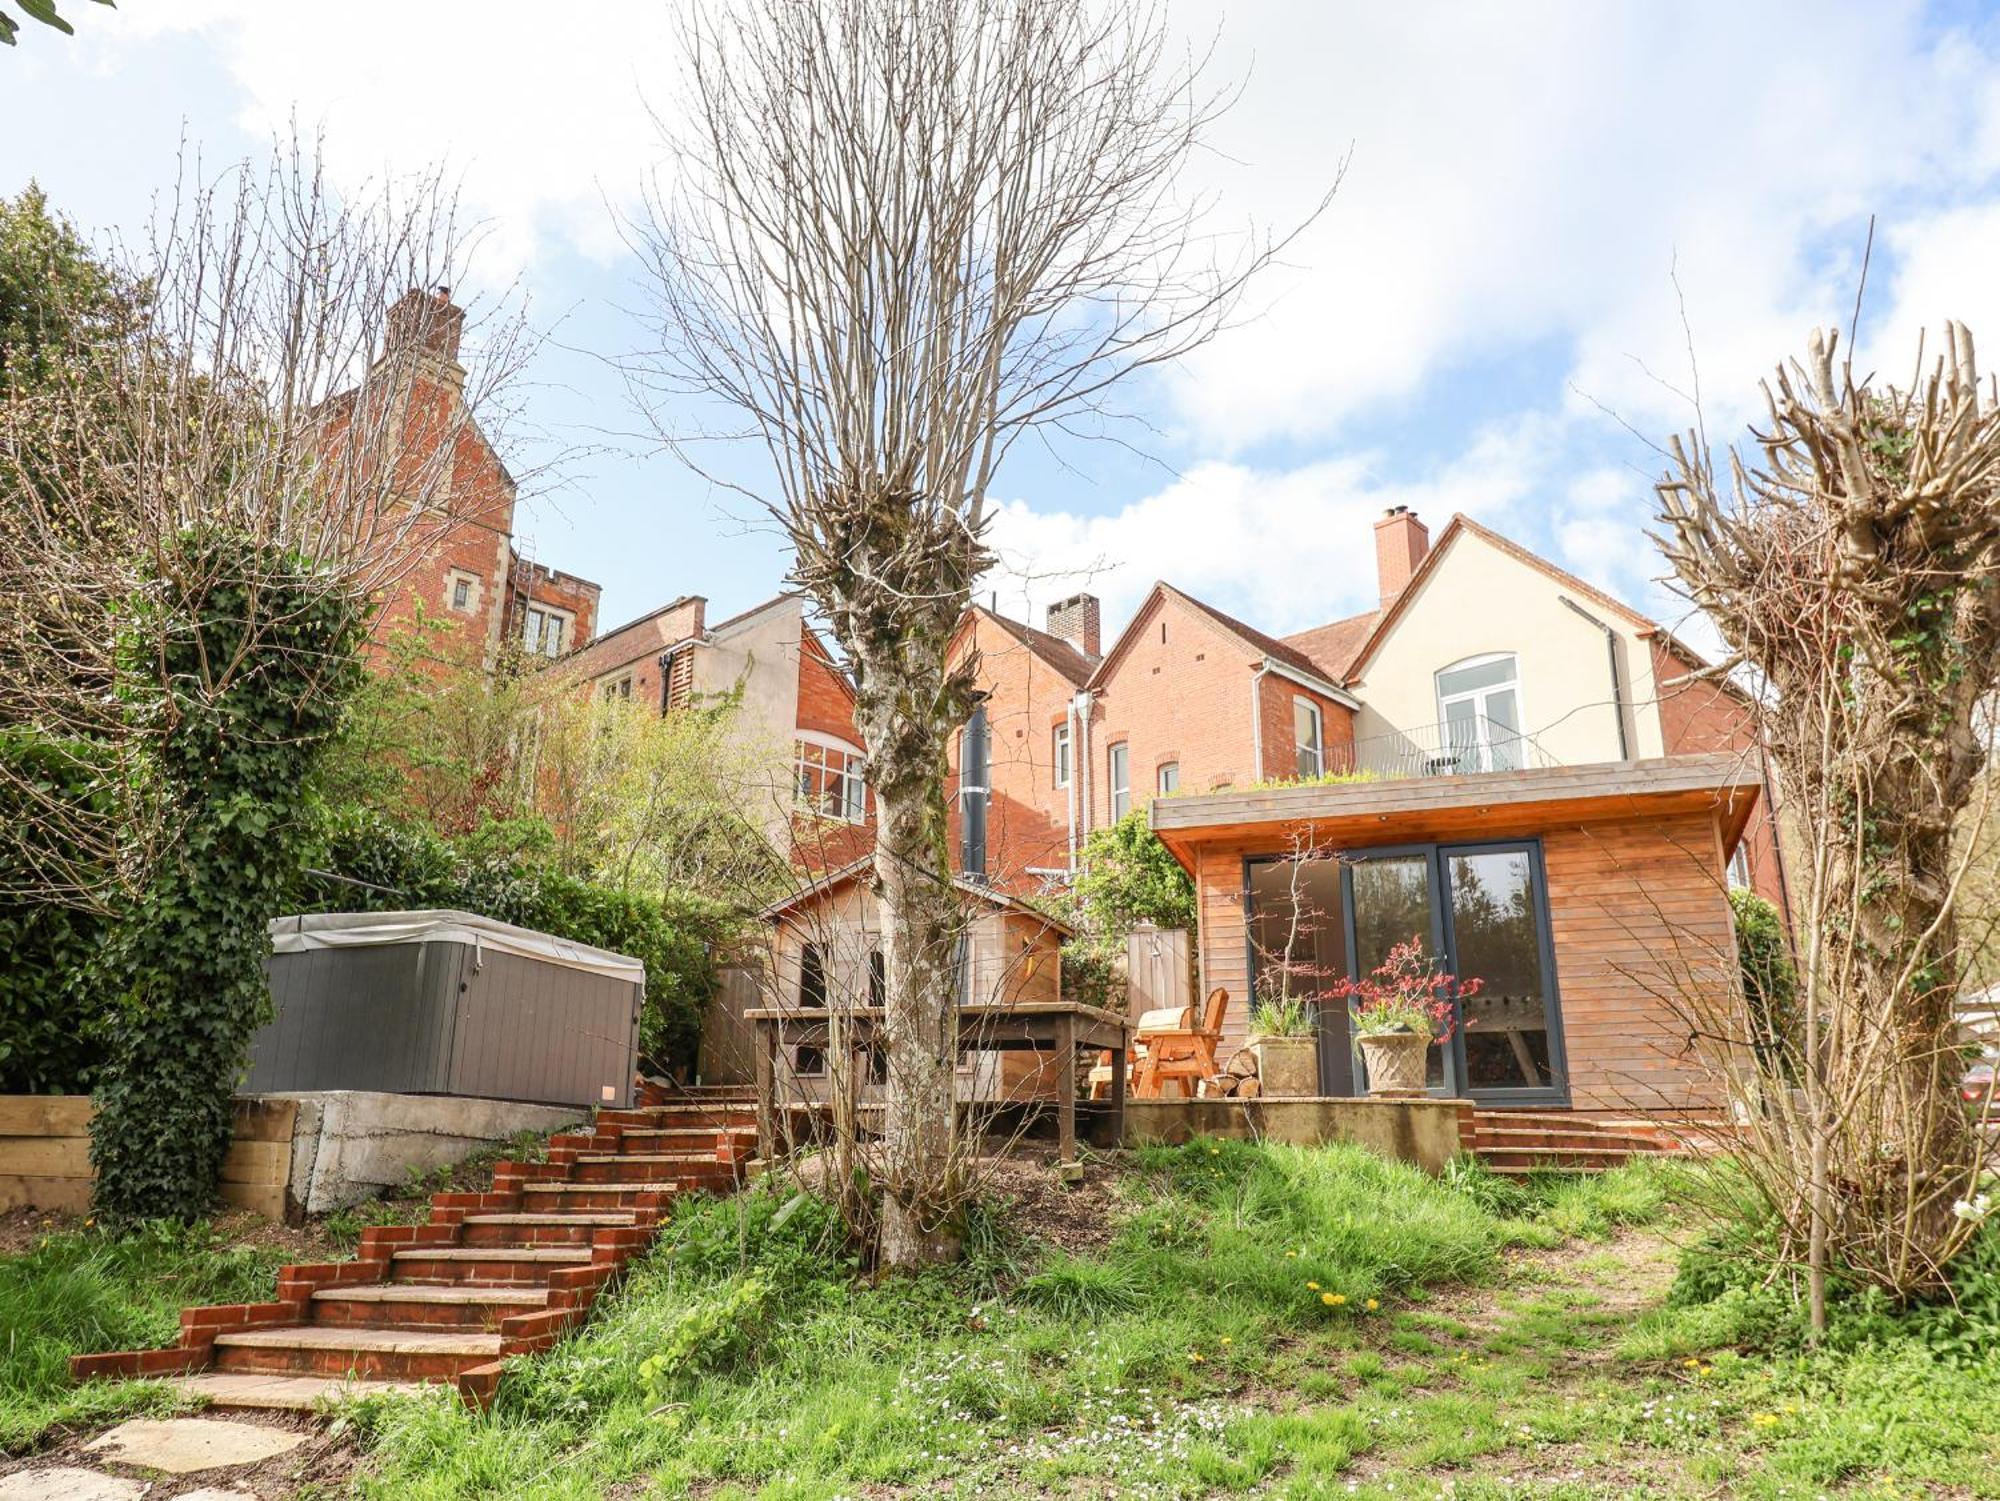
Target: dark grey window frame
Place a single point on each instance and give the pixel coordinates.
(1442, 942)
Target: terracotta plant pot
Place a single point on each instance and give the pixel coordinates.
(1288, 1067)
(1396, 1062)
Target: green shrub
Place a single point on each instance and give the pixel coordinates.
(53, 1001)
(1770, 980)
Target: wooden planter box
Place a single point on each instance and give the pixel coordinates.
(45, 1154)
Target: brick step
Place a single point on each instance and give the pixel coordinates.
(697, 1170)
(491, 1265)
(329, 1350)
(564, 1197)
(693, 1138)
(415, 1304)
(539, 1229)
(244, 1391)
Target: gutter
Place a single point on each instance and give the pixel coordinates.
(1257, 721)
(1318, 685)
(1611, 658)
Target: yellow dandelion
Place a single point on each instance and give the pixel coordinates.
(1195, 1357)
(1330, 1299)
(1764, 1419)
(1291, 1255)
(1314, 1286)
(1227, 1340)
(1691, 1363)
(1372, 1304)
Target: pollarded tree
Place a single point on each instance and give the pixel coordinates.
(901, 234)
(1855, 572)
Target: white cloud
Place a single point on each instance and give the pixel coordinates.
(1534, 172)
(537, 111)
(1284, 549)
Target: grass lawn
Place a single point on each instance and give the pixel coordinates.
(1259, 1321)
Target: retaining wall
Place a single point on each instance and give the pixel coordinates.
(1424, 1132)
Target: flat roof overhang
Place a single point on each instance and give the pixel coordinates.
(1492, 804)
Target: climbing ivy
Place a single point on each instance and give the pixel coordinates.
(239, 660)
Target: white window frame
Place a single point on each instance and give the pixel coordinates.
(618, 688)
(1316, 746)
(1739, 866)
(1161, 778)
(1060, 753)
(537, 618)
(1118, 778)
(830, 777)
(1477, 698)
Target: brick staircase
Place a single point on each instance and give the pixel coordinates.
(491, 1275)
(1518, 1142)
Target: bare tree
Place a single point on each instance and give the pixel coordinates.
(1856, 575)
(900, 235)
(252, 396)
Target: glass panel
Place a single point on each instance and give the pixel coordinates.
(1296, 933)
(1461, 738)
(1305, 737)
(1503, 731)
(1496, 933)
(1392, 904)
(1170, 777)
(1454, 680)
(1121, 782)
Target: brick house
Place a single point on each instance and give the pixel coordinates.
(1499, 757)
(460, 572)
(795, 708)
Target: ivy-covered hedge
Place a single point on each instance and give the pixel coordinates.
(497, 873)
(1770, 980)
(52, 995)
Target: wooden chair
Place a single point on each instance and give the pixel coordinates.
(1169, 1021)
(1181, 1055)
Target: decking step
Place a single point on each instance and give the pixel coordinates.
(254, 1391)
(336, 1350)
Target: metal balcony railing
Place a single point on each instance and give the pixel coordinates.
(1456, 749)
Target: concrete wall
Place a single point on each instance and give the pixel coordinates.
(350, 1144)
(1480, 599)
(1423, 1132)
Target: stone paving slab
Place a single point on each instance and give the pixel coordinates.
(185, 1446)
(67, 1484)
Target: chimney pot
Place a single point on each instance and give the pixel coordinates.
(1078, 620)
(1401, 543)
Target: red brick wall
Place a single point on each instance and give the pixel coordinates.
(1280, 746)
(636, 648)
(1186, 697)
(1027, 818)
(467, 532)
(536, 585)
(826, 699)
(1705, 716)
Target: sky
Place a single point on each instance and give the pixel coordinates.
(1560, 226)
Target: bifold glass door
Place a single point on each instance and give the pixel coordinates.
(1480, 909)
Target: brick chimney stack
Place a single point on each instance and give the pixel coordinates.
(429, 323)
(1401, 541)
(1077, 620)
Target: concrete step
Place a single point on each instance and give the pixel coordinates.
(404, 1305)
(332, 1350)
(248, 1392)
(1559, 1159)
(1501, 1137)
(536, 1228)
(490, 1265)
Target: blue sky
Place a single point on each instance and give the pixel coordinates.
(1528, 183)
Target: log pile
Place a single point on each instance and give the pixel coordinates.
(1238, 1081)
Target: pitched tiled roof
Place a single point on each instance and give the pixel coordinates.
(1055, 651)
(1334, 644)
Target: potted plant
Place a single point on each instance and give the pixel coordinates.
(1284, 1037)
(1404, 1008)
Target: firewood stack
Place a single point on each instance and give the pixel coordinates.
(1238, 1081)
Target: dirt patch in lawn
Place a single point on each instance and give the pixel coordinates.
(1071, 1216)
